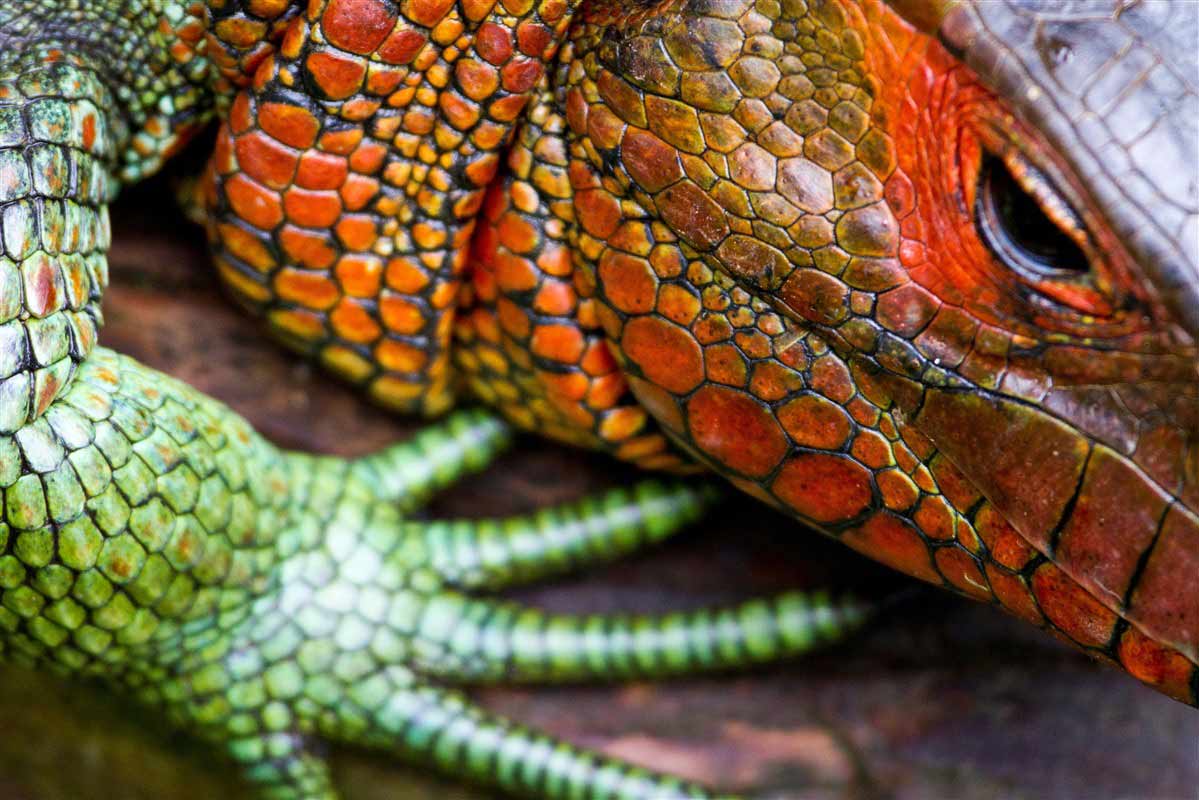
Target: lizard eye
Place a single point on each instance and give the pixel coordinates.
(1034, 231)
(1026, 224)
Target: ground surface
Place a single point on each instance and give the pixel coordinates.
(942, 700)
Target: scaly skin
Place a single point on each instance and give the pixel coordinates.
(742, 235)
(268, 601)
(753, 232)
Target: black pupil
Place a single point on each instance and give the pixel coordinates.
(1016, 228)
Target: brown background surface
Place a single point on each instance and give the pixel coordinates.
(941, 700)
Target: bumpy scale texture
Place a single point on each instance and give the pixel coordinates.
(747, 236)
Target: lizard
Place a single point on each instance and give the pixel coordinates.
(921, 274)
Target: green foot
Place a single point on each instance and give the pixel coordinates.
(274, 601)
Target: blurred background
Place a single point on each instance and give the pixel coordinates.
(942, 699)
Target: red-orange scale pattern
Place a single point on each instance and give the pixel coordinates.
(746, 228)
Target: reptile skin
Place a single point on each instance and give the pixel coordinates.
(748, 237)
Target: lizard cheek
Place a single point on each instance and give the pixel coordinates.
(1066, 496)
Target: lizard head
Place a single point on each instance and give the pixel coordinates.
(925, 276)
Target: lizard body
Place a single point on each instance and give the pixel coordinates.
(854, 257)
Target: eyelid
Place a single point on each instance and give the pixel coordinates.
(1048, 198)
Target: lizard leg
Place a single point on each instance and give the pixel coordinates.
(497, 553)
(439, 455)
(529, 340)
(485, 641)
(283, 766)
(343, 214)
(443, 728)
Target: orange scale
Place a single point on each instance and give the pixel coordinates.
(1071, 609)
(598, 360)
(246, 246)
(667, 354)
(824, 488)
(359, 26)
(259, 63)
(534, 38)
(1164, 669)
(240, 116)
(513, 273)
(606, 390)
(621, 423)
(771, 381)
(222, 161)
(629, 282)
(725, 364)
(401, 315)
(962, 571)
(313, 249)
(358, 191)
(521, 75)
(427, 12)
(459, 112)
(967, 538)
(598, 211)
(555, 259)
(400, 356)
(319, 170)
(299, 323)
(507, 109)
(359, 275)
(358, 109)
(419, 121)
(478, 322)
(712, 328)
(402, 46)
(481, 170)
(312, 289)
(569, 386)
(368, 157)
(864, 412)
(896, 543)
(383, 81)
(292, 125)
(478, 79)
(677, 304)
(604, 128)
(311, 209)
(356, 231)
(516, 233)
(736, 430)
(1014, 594)
(253, 202)
(831, 378)
(354, 323)
(640, 447)
(1006, 545)
(493, 43)
(651, 162)
(935, 518)
(444, 295)
(898, 491)
(754, 344)
(338, 76)
(872, 449)
(924, 479)
(513, 319)
(561, 343)
(467, 206)
(555, 297)
(341, 142)
(903, 456)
